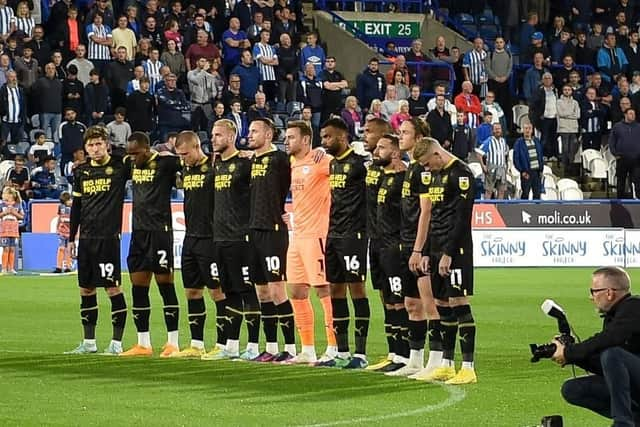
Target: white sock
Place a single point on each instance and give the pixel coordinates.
(90, 343)
(331, 351)
(116, 344)
(253, 347)
(309, 349)
(435, 359)
(416, 358)
(396, 359)
(448, 363)
(197, 344)
(144, 339)
(272, 347)
(403, 360)
(233, 347)
(220, 346)
(291, 349)
(172, 338)
(344, 354)
(391, 356)
(467, 365)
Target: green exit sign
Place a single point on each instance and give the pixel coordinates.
(409, 30)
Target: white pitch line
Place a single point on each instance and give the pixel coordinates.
(456, 394)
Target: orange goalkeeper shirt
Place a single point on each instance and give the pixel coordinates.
(311, 196)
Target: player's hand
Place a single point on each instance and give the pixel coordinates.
(424, 265)
(415, 261)
(558, 356)
(72, 250)
(444, 268)
(286, 217)
(318, 155)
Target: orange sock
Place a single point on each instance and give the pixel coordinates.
(12, 259)
(303, 312)
(60, 258)
(5, 259)
(328, 320)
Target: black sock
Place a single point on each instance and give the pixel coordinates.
(340, 309)
(362, 315)
(403, 346)
(171, 308)
(234, 316)
(141, 307)
(286, 321)
(222, 322)
(269, 321)
(118, 316)
(417, 334)
(449, 330)
(394, 327)
(197, 314)
(388, 331)
(435, 335)
(89, 315)
(466, 331)
(251, 309)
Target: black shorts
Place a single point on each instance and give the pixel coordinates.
(151, 251)
(409, 278)
(346, 260)
(233, 260)
(459, 283)
(198, 265)
(268, 255)
(378, 279)
(391, 266)
(99, 263)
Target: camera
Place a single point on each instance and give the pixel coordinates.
(546, 351)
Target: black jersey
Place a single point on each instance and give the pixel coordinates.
(152, 185)
(373, 181)
(388, 208)
(270, 181)
(415, 183)
(100, 187)
(348, 217)
(197, 183)
(451, 193)
(232, 197)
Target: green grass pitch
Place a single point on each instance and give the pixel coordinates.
(40, 386)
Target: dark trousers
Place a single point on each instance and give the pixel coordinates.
(628, 169)
(549, 137)
(270, 89)
(591, 140)
(503, 98)
(532, 183)
(615, 393)
(15, 130)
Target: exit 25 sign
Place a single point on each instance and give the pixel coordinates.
(409, 30)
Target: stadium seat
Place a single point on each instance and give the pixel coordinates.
(32, 135)
(520, 113)
(485, 18)
(571, 193)
(550, 181)
(35, 120)
(565, 183)
(488, 32)
(546, 170)
(598, 168)
(608, 156)
(549, 194)
(476, 169)
(612, 179)
(5, 167)
(588, 156)
(465, 18)
(294, 109)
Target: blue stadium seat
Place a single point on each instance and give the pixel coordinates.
(488, 32)
(465, 19)
(471, 30)
(485, 19)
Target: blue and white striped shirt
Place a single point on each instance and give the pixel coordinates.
(13, 106)
(268, 72)
(98, 51)
(496, 150)
(6, 18)
(152, 70)
(474, 61)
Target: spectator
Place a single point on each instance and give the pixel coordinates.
(173, 108)
(11, 213)
(134, 84)
(622, 106)
(70, 34)
(635, 82)
(40, 149)
(234, 42)
(595, 39)
(40, 48)
(592, 116)
(371, 83)
(287, 69)
(73, 90)
(5, 66)
(203, 48)
(463, 139)
(119, 132)
(283, 25)
(390, 104)
(440, 89)
(401, 115)
(117, 76)
(172, 32)
(526, 31)
(20, 178)
(79, 158)
(58, 14)
(250, 78)
(402, 90)
(585, 55)
(561, 75)
(48, 90)
(499, 66)
(101, 7)
(141, 108)
(152, 32)
(562, 47)
(56, 59)
(96, 98)
(13, 107)
(497, 112)
(132, 20)
(493, 157)
(568, 116)
(352, 116)
(260, 109)
(123, 36)
(417, 102)
(24, 22)
(333, 83)
(25, 66)
(375, 110)
(243, 10)
(533, 76)
(312, 53)
(556, 29)
(8, 24)
(527, 159)
(543, 113)
(152, 68)
(266, 62)
(473, 67)
(43, 180)
(177, 14)
(611, 59)
(400, 65)
(70, 135)
(415, 54)
(623, 143)
(202, 89)
(82, 64)
(310, 93)
(253, 30)
(218, 111)
(439, 122)
(199, 23)
(100, 41)
(440, 53)
(142, 51)
(153, 10)
(242, 124)
(468, 104)
(174, 59)
(581, 11)
(483, 130)
(233, 92)
(537, 46)
(603, 89)
(632, 51)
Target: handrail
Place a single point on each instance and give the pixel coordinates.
(348, 26)
(403, 5)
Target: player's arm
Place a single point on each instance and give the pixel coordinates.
(285, 178)
(462, 207)
(424, 220)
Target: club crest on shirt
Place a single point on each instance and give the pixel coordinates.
(108, 170)
(347, 168)
(389, 181)
(204, 168)
(463, 182)
(445, 179)
(265, 160)
(425, 178)
(306, 170)
(153, 165)
(232, 167)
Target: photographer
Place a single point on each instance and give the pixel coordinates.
(613, 355)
